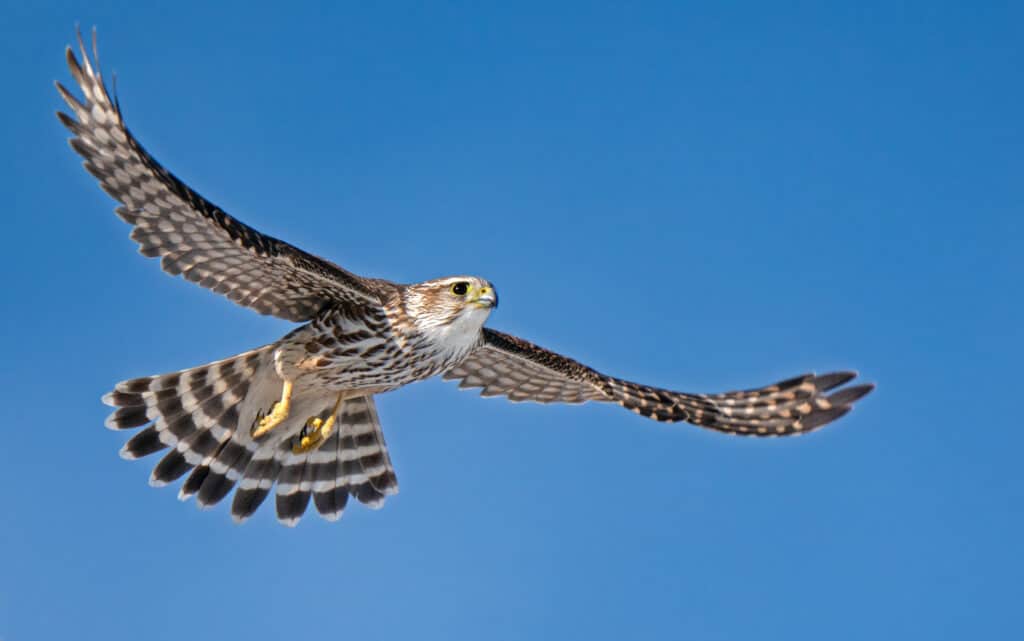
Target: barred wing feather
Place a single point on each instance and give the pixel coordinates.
(192, 236)
(521, 371)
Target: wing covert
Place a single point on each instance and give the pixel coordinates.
(192, 236)
(508, 366)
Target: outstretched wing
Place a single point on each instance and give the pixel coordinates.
(508, 366)
(194, 237)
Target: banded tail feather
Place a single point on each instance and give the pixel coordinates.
(202, 416)
(794, 406)
(354, 461)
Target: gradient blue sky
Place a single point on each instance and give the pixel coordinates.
(700, 197)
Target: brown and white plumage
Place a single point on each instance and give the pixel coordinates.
(361, 337)
(508, 366)
(192, 236)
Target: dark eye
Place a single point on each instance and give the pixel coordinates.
(460, 288)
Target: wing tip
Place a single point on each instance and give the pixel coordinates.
(71, 59)
(66, 120)
(832, 380)
(824, 417)
(850, 395)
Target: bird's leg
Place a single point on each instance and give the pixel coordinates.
(278, 413)
(317, 430)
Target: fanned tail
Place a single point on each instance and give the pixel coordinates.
(194, 411)
(353, 461)
(203, 415)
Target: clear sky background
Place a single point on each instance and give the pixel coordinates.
(705, 198)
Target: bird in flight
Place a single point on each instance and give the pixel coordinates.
(298, 416)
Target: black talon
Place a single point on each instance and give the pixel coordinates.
(259, 417)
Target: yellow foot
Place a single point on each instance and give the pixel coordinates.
(278, 413)
(314, 434)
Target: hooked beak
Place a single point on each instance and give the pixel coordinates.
(486, 297)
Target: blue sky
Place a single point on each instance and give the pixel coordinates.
(704, 198)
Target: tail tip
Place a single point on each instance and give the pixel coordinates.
(290, 521)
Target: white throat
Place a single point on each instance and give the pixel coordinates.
(457, 338)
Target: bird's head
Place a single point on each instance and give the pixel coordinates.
(459, 303)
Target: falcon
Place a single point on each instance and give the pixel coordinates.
(298, 416)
